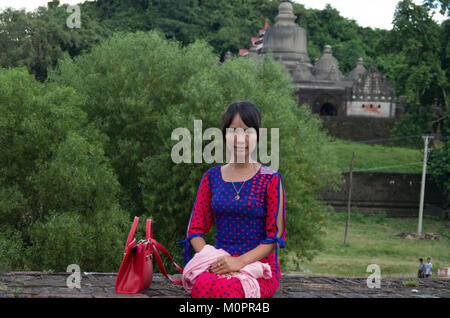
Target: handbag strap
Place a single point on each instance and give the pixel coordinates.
(156, 246)
(166, 252)
(161, 265)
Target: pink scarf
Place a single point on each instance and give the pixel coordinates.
(248, 275)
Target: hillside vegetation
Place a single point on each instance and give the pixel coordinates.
(376, 158)
(372, 240)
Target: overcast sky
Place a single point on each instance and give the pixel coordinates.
(367, 13)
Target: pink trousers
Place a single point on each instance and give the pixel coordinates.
(208, 285)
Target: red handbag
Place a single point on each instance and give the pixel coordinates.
(136, 271)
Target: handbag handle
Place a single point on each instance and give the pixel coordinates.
(149, 230)
(131, 241)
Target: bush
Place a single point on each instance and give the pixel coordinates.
(52, 158)
(378, 217)
(57, 241)
(55, 180)
(12, 256)
(77, 178)
(93, 242)
(357, 217)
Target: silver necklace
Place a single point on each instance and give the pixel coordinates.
(237, 197)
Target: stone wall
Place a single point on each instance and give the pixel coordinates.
(398, 194)
(358, 128)
(101, 285)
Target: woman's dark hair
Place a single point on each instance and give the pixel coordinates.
(249, 113)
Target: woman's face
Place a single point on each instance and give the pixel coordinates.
(241, 140)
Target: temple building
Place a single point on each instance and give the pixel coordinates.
(321, 85)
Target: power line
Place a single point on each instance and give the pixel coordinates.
(377, 168)
(384, 139)
(375, 140)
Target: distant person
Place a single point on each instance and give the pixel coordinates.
(428, 267)
(421, 273)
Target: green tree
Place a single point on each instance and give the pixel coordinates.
(443, 5)
(417, 65)
(327, 27)
(439, 170)
(53, 169)
(38, 39)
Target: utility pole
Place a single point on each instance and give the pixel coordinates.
(349, 199)
(422, 185)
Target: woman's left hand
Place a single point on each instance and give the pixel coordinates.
(227, 264)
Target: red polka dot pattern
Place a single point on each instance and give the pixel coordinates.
(208, 285)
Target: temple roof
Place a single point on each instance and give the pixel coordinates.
(302, 72)
(256, 42)
(243, 52)
(358, 70)
(327, 67)
(373, 86)
(285, 15)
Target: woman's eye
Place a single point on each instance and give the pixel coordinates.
(238, 131)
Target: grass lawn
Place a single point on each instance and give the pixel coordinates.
(369, 157)
(372, 240)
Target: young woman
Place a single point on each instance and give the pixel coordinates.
(247, 201)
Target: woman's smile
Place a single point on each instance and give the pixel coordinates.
(240, 148)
